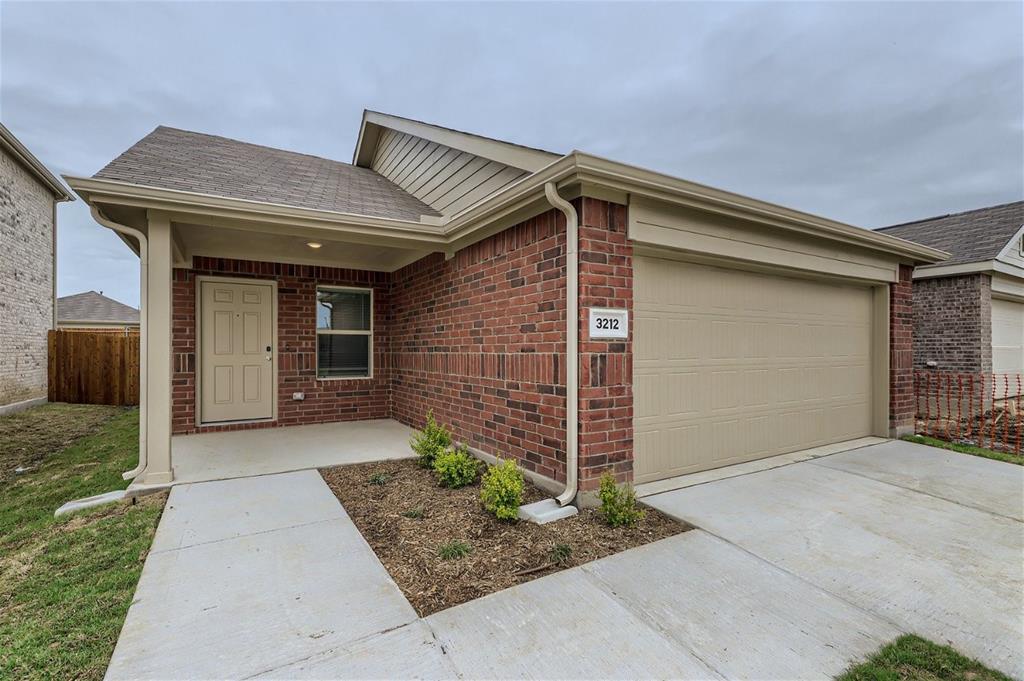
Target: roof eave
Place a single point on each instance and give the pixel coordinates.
(14, 146)
(582, 167)
(96, 190)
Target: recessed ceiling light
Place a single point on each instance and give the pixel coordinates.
(313, 244)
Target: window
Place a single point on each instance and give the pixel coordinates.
(344, 332)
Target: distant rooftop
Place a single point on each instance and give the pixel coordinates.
(95, 308)
(170, 158)
(972, 236)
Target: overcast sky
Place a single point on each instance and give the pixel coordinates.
(867, 113)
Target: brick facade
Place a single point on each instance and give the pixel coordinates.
(26, 281)
(480, 340)
(606, 367)
(325, 400)
(953, 323)
(901, 353)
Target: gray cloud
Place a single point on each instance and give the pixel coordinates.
(870, 113)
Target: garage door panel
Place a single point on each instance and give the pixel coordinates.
(763, 365)
(1007, 336)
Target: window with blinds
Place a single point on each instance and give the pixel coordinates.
(344, 332)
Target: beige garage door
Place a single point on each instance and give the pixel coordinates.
(731, 366)
(1007, 337)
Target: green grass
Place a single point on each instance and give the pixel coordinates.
(911, 658)
(966, 449)
(65, 585)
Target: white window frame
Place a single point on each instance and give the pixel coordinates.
(338, 332)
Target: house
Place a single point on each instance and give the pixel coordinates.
(969, 310)
(576, 313)
(29, 195)
(95, 312)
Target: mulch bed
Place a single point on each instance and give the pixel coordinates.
(503, 553)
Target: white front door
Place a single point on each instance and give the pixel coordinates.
(236, 335)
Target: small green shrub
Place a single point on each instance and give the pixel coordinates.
(560, 554)
(455, 467)
(618, 504)
(502, 490)
(454, 549)
(414, 513)
(430, 441)
(379, 479)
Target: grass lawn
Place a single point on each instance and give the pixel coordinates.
(911, 658)
(65, 585)
(966, 449)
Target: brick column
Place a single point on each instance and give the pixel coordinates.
(606, 367)
(901, 354)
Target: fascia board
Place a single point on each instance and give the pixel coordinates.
(94, 190)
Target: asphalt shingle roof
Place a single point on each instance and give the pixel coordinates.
(169, 158)
(94, 307)
(972, 236)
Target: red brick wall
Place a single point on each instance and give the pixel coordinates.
(953, 323)
(326, 400)
(901, 353)
(606, 367)
(480, 340)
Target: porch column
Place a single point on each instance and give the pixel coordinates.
(158, 394)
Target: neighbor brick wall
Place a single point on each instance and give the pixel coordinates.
(953, 323)
(326, 400)
(606, 367)
(480, 340)
(901, 353)
(26, 281)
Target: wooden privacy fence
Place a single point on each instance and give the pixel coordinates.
(978, 409)
(93, 367)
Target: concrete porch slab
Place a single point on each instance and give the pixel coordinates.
(225, 455)
(683, 481)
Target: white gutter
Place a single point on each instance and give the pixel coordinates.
(572, 320)
(143, 342)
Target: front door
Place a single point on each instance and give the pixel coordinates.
(236, 335)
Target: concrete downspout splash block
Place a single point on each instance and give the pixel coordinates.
(546, 511)
(90, 502)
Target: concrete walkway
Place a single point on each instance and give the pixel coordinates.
(927, 540)
(284, 586)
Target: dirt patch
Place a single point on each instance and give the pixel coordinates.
(502, 554)
(27, 437)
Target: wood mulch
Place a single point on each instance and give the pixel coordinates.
(503, 553)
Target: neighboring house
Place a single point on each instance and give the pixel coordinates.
(447, 271)
(29, 194)
(95, 311)
(969, 310)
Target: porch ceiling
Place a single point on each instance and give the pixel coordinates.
(336, 250)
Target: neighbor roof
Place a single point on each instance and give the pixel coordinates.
(94, 307)
(972, 236)
(169, 158)
(15, 148)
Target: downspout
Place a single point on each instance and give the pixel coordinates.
(143, 344)
(572, 320)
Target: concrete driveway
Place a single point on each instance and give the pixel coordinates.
(802, 571)
(928, 541)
